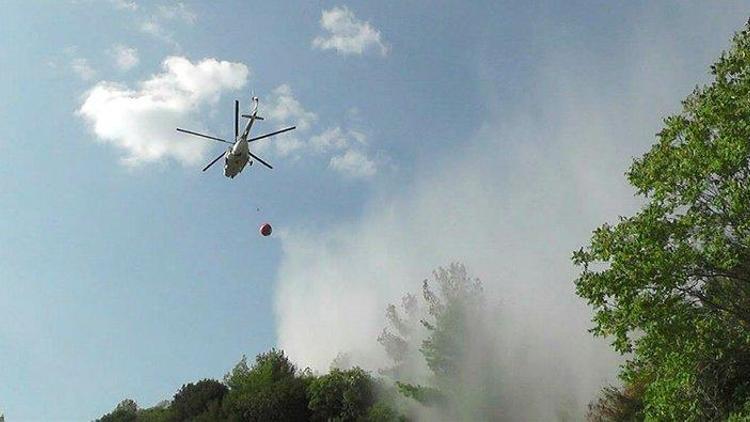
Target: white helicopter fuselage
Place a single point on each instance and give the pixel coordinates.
(238, 155)
(236, 158)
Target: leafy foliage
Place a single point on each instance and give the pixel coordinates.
(398, 344)
(126, 411)
(617, 406)
(382, 412)
(440, 330)
(341, 395)
(425, 395)
(671, 284)
(158, 413)
(270, 390)
(449, 328)
(199, 401)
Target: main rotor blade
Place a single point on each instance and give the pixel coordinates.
(271, 134)
(204, 136)
(212, 162)
(236, 118)
(260, 160)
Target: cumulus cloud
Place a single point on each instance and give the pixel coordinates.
(141, 121)
(349, 158)
(347, 149)
(511, 202)
(125, 58)
(82, 68)
(284, 107)
(346, 34)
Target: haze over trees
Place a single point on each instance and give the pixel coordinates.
(437, 333)
(671, 284)
(443, 336)
(271, 389)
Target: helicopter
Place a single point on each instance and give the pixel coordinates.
(238, 154)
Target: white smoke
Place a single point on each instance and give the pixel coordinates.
(512, 204)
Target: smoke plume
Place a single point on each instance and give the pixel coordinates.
(511, 203)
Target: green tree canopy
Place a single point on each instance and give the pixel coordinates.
(199, 401)
(671, 284)
(341, 395)
(128, 411)
(271, 390)
(125, 411)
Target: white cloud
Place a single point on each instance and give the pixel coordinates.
(159, 23)
(347, 34)
(330, 139)
(124, 4)
(354, 164)
(153, 27)
(284, 109)
(345, 149)
(349, 158)
(177, 11)
(82, 68)
(70, 58)
(125, 57)
(142, 121)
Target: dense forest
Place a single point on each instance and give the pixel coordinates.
(669, 286)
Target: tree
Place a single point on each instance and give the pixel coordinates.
(382, 412)
(159, 413)
(671, 284)
(617, 405)
(126, 411)
(271, 390)
(450, 315)
(341, 395)
(450, 322)
(202, 400)
(398, 341)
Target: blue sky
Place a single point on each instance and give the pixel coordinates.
(495, 133)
